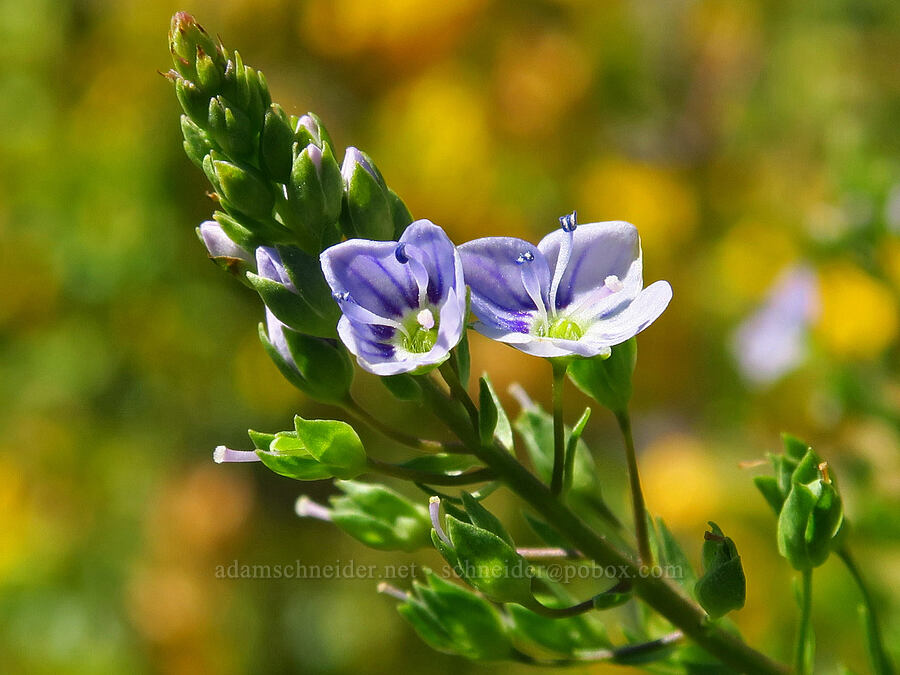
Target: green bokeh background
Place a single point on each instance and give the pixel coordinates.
(740, 137)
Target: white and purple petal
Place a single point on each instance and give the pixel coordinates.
(494, 273)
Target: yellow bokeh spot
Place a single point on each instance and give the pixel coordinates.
(890, 257)
(537, 80)
(436, 147)
(400, 29)
(16, 516)
(679, 478)
(748, 260)
(654, 198)
(859, 314)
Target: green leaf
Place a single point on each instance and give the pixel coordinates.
(546, 532)
(503, 429)
(333, 443)
(473, 625)
(324, 365)
(671, 554)
(288, 456)
(380, 518)
(607, 380)
(488, 415)
(768, 486)
(535, 426)
(404, 387)
(563, 636)
(481, 517)
(722, 587)
(489, 564)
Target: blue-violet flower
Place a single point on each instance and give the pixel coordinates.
(403, 303)
(577, 293)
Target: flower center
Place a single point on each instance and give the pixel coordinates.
(562, 329)
(421, 332)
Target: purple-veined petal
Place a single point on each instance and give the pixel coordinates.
(499, 296)
(598, 251)
(270, 266)
(644, 310)
(370, 272)
(439, 257)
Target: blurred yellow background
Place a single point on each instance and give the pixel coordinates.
(741, 138)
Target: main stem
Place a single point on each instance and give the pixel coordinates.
(881, 664)
(802, 664)
(559, 429)
(639, 509)
(660, 594)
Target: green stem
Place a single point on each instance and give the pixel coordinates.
(424, 445)
(638, 507)
(625, 655)
(559, 429)
(660, 594)
(561, 612)
(451, 377)
(802, 647)
(417, 475)
(881, 663)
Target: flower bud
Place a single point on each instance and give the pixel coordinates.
(453, 620)
(247, 89)
(315, 450)
(239, 187)
(309, 129)
(231, 129)
(188, 42)
(366, 210)
(811, 515)
(378, 517)
(803, 494)
(291, 285)
(481, 555)
(313, 197)
(275, 144)
(319, 367)
(193, 101)
(197, 143)
(723, 587)
(223, 251)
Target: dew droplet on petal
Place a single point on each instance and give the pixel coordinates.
(525, 257)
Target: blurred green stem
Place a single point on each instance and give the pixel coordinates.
(881, 664)
(659, 593)
(637, 494)
(803, 646)
(559, 429)
(397, 471)
(425, 445)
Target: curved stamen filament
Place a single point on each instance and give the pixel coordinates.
(434, 510)
(611, 285)
(532, 284)
(568, 224)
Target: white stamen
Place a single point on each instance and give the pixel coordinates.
(562, 261)
(434, 510)
(307, 508)
(425, 319)
(222, 454)
(613, 283)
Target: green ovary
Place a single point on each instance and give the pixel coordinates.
(420, 340)
(562, 329)
(421, 332)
